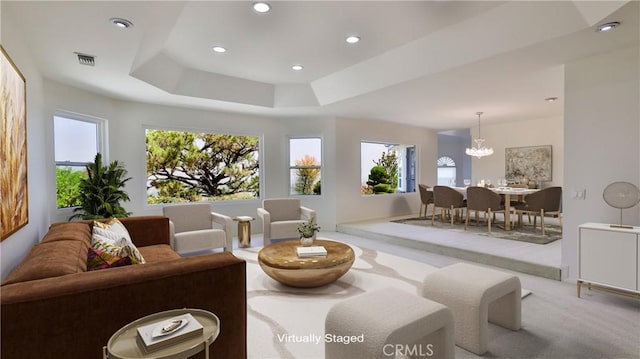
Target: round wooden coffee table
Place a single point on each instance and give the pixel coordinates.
(280, 261)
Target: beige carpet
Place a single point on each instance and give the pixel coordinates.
(285, 322)
(524, 233)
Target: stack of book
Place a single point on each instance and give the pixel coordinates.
(165, 333)
(312, 251)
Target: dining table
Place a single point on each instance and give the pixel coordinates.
(507, 192)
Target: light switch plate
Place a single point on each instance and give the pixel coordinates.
(579, 194)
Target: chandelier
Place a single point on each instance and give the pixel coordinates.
(479, 150)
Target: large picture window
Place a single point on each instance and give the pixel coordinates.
(387, 168)
(76, 142)
(186, 166)
(305, 164)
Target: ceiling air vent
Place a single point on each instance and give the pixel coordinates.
(85, 59)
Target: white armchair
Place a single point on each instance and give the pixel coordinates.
(281, 217)
(195, 227)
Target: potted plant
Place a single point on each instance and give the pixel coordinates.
(307, 232)
(102, 191)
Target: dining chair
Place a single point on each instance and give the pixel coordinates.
(480, 199)
(449, 200)
(541, 203)
(426, 198)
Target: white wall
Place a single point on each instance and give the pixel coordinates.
(16, 246)
(340, 200)
(350, 205)
(127, 122)
(602, 140)
(543, 131)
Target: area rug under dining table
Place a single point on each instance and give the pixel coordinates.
(287, 322)
(524, 233)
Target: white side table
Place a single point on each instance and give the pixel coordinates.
(123, 344)
(244, 230)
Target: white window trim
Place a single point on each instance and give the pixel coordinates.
(101, 135)
(101, 140)
(395, 143)
(293, 167)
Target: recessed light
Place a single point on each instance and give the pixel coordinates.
(219, 49)
(121, 23)
(608, 26)
(297, 67)
(352, 39)
(550, 99)
(261, 7)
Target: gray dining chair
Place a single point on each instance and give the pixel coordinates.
(426, 198)
(449, 201)
(480, 199)
(547, 201)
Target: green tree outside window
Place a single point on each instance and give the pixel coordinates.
(188, 166)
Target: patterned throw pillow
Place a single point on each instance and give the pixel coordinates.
(113, 238)
(98, 259)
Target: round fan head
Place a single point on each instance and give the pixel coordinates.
(621, 195)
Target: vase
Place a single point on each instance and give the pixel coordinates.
(306, 241)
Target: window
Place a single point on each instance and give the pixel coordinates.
(387, 168)
(305, 163)
(76, 142)
(446, 171)
(187, 166)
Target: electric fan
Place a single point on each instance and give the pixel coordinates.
(621, 195)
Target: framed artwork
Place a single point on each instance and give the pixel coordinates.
(533, 163)
(14, 213)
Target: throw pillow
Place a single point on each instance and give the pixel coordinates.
(114, 239)
(99, 259)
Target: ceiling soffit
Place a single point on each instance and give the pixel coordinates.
(499, 30)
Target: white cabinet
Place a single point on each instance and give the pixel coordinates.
(608, 258)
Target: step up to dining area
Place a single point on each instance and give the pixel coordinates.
(543, 260)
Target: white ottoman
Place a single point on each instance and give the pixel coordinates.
(475, 295)
(388, 323)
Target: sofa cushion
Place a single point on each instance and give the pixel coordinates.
(159, 253)
(51, 259)
(113, 238)
(68, 231)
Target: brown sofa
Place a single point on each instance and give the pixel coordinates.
(52, 307)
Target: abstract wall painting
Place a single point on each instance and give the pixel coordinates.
(532, 163)
(14, 202)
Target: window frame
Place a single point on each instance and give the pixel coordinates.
(101, 147)
(446, 162)
(403, 166)
(294, 167)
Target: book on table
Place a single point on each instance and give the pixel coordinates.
(167, 332)
(312, 251)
